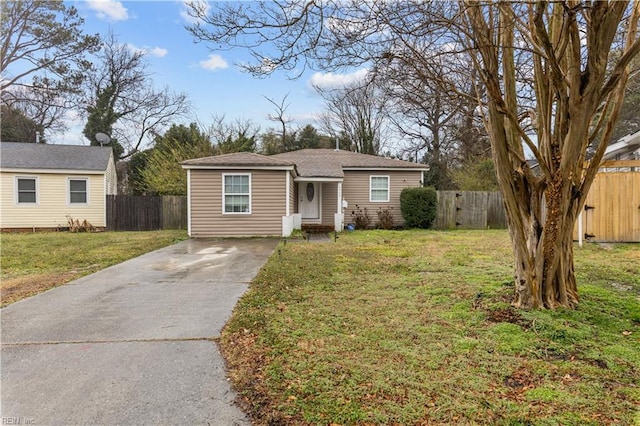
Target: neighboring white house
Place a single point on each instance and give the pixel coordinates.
(41, 185)
(626, 148)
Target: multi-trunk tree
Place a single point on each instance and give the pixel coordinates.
(578, 91)
(551, 88)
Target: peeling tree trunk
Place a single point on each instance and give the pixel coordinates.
(542, 238)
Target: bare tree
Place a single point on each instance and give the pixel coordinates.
(123, 102)
(45, 105)
(280, 117)
(546, 67)
(577, 104)
(42, 59)
(359, 112)
(235, 136)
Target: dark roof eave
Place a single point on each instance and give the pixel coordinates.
(237, 166)
(402, 168)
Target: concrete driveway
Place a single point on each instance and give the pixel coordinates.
(131, 344)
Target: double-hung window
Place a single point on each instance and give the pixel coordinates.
(78, 191)
(379, 188)
(27, 190)
(236, 193)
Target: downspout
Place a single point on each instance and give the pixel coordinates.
(339, 214)
(288, 194)
(189, 202)
(339, 209)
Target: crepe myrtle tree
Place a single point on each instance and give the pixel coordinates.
(546, 69)
(578, 93)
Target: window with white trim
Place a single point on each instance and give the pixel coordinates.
(78, 191)
(379, 188)
(27, 190)
(236, 193)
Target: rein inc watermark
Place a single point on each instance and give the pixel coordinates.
(17, 421)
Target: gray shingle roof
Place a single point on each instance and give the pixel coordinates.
(248, 159)
(331, 163)
(318, 163)
(17, 155)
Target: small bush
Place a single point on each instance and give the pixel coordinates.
(385, 218)
(361, 217)
(418, 206)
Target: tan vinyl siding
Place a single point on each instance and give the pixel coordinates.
(355, 190)
(329, 201)
(52, 207)
(268, 189)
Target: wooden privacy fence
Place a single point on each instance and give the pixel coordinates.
(470, 210)
(146, 213)
(174, 212)
(612, 210)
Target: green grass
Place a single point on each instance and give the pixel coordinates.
(416, 327)
(35, 262)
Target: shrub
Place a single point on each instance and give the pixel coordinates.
(385, 218)
(418, 206)
(361, 217)
(76, 226)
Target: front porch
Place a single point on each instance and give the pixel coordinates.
(318, 206)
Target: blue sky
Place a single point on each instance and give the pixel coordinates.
(212, 80)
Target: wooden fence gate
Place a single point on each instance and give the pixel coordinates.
(146, 213)
(612, 210)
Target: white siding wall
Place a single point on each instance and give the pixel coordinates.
(53, 206)
(111, 178)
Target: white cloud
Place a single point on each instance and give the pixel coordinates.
(214, 62)
(305, 117)
(111, 10)
(157, 52)
(330, 80)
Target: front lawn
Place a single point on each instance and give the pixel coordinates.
(35, 262)
(416, 327)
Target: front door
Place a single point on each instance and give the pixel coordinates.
(309, 200)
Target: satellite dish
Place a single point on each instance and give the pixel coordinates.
(103, 138)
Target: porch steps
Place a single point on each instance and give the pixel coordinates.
(313, 228)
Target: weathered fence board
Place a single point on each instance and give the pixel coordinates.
(496, 215)
(470, 210)
(145, 213)
(174, 212)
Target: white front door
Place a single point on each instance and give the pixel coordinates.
(309, 200)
